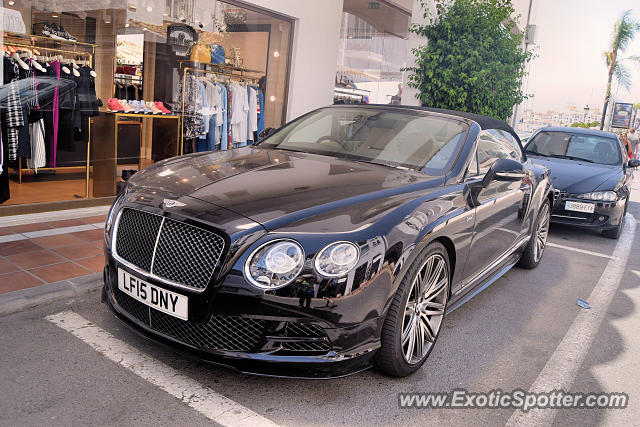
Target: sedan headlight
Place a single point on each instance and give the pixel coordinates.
(274, 264)
(337, 259)
(605, 196)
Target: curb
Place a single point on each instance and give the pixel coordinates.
(15, 301)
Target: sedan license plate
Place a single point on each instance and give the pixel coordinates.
(579, 207)
(161, 299)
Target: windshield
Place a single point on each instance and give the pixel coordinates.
(591, 148)
(393, 138)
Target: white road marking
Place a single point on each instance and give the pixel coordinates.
(582, 251)
(563, 365)
(212, 405)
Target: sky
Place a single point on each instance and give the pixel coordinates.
(570, 68)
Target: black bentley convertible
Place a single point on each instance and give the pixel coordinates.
(337, 243)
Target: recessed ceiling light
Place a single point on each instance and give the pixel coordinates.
(149, 9)
(54, 15)
(11, 3)
(272, 98)
(276, 54)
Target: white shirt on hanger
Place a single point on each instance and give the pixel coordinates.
(240, 108)
(253, 111)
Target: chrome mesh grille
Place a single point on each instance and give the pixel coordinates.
(135, 308)
(187, 254)
(229, 333)
(305, 330)
(182, 253)
(137, 232)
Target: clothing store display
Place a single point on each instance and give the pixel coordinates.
(239, 117)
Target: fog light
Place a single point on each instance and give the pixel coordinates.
(601, 218)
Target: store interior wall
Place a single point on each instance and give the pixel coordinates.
(315, 43)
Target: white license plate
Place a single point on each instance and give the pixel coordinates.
(579, 207)
(161, 299)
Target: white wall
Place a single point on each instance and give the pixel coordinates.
(417, 17)
(315, 45)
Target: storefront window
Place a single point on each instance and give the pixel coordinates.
(371, 55)
(91, 95)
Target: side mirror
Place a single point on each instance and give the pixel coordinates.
(504, 170)
(633, 163)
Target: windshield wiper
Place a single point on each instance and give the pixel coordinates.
(387, 164)
(562, 156)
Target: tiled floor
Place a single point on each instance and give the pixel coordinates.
(46, 252)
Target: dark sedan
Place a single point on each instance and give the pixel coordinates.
(590, 173)
(335, 244)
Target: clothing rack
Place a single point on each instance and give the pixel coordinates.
(229, 75)
(32, 42)
(77, 55)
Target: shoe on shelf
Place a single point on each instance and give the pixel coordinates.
(153, 108)
(144, 107)
(125, 105)
(46, 29)
(161, 107)
(65, 34)
(114, 106)
(136, 107)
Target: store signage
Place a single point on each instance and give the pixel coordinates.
(622, 115)
(12, 21)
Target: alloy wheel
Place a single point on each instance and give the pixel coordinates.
(541, 233)
(424, 310)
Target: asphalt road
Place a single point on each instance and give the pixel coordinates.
(502, 339)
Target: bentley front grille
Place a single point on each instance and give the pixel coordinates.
(167, 249)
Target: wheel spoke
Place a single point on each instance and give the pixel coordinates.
(436, 289)
(419, 340)
(428, 329)
(412, 341)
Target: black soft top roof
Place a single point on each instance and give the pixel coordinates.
(484, 121)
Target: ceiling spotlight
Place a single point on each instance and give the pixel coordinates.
(127, 25)
(11, 3)
(149, 9)
(54, 15)
(276, 54)
(272, 98)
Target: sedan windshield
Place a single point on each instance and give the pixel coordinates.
(589, 148)
(393, 138)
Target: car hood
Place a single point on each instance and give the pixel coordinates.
(576, 177)
(276, 188)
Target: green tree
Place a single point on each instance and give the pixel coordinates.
(624, 31)
(473, 60)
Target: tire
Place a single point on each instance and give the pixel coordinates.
(614, 233)
(416, 314)
(535, 248)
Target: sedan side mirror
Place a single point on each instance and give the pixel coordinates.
(504, 170)
(633, 163)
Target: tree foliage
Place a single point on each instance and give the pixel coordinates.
(473, 60)
(585, 125)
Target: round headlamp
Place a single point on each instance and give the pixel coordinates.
(274, 264)
(337, 259)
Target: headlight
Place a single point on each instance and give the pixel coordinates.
(337, 259)
(606, 196)
(274, 264)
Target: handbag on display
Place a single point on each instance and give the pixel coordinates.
(217, 53)
(200, 53)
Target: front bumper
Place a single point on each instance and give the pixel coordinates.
(606, 215)
(269, 343)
